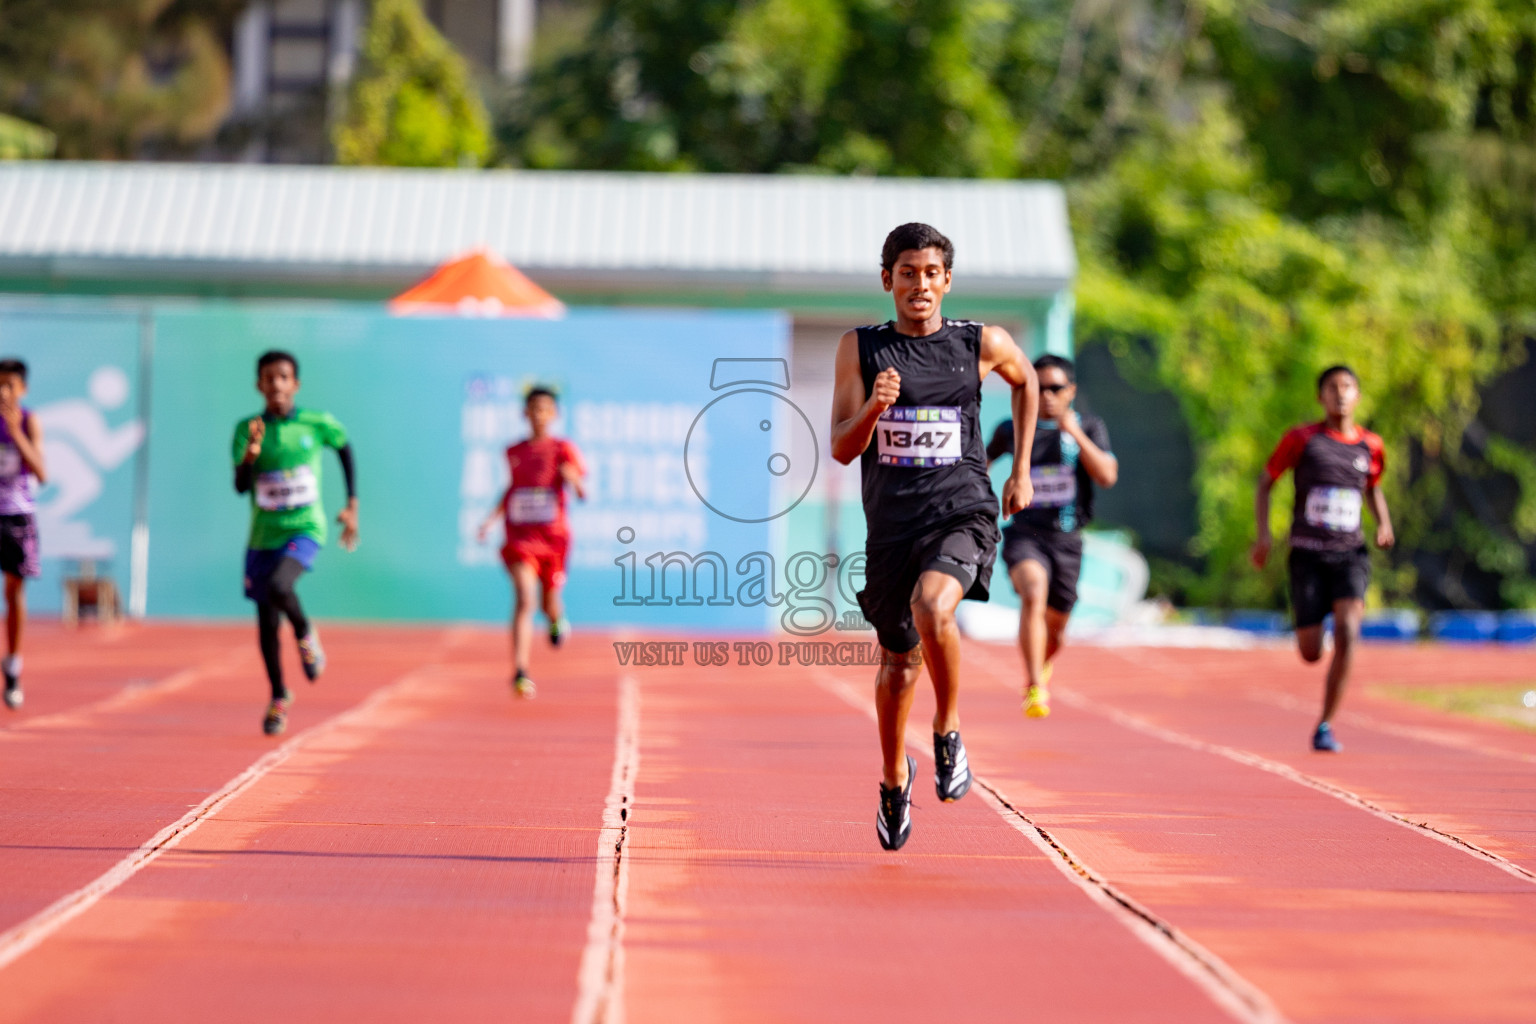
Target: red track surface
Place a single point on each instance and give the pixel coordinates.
(423, 847)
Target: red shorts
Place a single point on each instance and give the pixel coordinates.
(540, 547)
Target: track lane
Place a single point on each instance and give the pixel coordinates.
(70, 672)
(430, 859)
(1460, 776)
(758, 891)
(88, 789)
(1335, 913)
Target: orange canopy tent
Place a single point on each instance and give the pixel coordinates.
(479, 283)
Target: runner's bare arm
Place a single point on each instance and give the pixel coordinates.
(573, 475)
(498, 511)
(1261, 538)
(853, 413)
(1001, 356)
(29, 445)
(1102, 466)
(1385, 538)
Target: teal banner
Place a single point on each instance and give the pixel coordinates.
(686, 438)
(83, 386)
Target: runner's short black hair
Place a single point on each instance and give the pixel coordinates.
(1322, 378)
(15, 366)
(915, 236)
(1061, 363)
(536, 391)
(276, 355)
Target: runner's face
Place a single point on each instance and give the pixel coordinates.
(1339, 395)
(541, 413)
(1053, 402)
(12, 389)
(278, 385)
(918, 282)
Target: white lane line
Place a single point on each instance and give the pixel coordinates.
(1285, 771)
(1209, 973)
(1423, 734)
(600, 978)
(129, 694)
(28, 934)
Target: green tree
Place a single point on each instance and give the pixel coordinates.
(22, 141)
(412, 103)
(866, 86)
(113, 79)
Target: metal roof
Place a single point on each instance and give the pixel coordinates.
(568, 230)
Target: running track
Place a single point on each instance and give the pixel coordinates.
(691, 844)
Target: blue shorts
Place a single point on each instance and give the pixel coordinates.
(260, 563)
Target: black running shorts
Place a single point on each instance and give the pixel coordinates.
(1319, 578)
(18, 546)
(1060, 552)
(965, 548)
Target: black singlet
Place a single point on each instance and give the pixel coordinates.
(926, 462)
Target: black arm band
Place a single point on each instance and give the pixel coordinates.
(348, 473)
(244, 472)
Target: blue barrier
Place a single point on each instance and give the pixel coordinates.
(1464, 627)
(1391, 624)
(1517, 628)
(1261, 622)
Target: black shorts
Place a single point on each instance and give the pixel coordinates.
(1060, 552)
(964, 548)
(18, 546)
(1319, 578)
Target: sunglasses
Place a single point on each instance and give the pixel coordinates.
(1053, 388)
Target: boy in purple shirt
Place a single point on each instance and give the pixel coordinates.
(21, 461)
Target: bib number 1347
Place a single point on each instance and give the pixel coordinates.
(918, 436)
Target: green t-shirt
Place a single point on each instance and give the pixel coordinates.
(285, 487)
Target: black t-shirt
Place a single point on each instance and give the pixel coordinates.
(925, 463)
(1063, 488)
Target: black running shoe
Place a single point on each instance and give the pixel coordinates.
(277, 716)
(951, 768)
(894, 824)
(558, 631)
(13, 685)
(311, 654)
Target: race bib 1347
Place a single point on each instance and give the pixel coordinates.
(918, 435)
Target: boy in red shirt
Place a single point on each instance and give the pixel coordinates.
(538, 534)
(1337, 467)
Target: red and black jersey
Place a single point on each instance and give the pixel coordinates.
(1332, 472)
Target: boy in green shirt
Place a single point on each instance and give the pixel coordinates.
(277, 460)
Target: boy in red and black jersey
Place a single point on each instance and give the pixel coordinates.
(538, 535)
(1337, 468)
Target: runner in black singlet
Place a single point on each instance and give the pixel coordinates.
(1043, 545)
(1337, 468)
(906, 402)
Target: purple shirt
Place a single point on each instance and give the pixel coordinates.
(15, 479)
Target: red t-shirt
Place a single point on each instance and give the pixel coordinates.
(536, 498)
(1333, 471)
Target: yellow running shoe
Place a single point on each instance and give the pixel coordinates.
(1037, 699)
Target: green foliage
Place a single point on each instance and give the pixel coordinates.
(412, 103)
(22, 141)
(852, 86)
(1191, 276)
(112, 79)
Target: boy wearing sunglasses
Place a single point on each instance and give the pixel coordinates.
(1043, 544)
